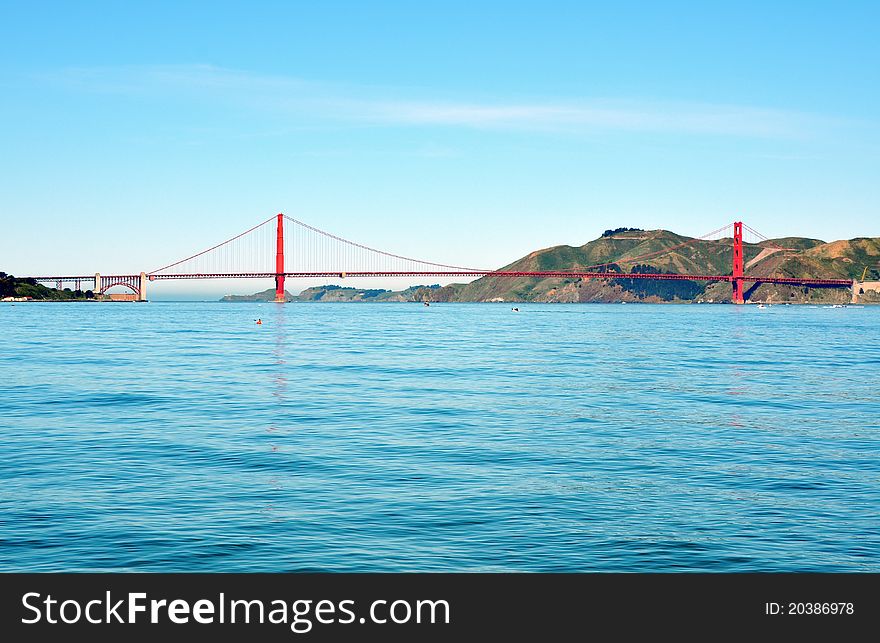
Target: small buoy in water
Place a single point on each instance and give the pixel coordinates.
(516, 310)
(427, 304)
(259, 322)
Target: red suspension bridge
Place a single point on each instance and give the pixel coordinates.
(259, 253)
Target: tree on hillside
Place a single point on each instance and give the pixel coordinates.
(7, 285)
(611, 233)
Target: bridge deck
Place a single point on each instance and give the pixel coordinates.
(473, 273)
(510, 273)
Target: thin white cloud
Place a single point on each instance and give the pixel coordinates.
(597, 115)
(327, 102)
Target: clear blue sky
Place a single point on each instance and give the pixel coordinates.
(464, 132)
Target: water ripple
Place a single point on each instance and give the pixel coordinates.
(181, 437)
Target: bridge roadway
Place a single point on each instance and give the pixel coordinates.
(320, 248)
(511, 273)
(792, 281)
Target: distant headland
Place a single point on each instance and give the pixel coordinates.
(346, 294)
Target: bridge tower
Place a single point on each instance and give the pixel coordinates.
(279, 261)
(738, 263)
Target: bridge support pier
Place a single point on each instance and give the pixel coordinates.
(738, 271)
(97, 289)
(279, 261)
(142, 288)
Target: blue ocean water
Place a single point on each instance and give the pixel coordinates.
(460, 437)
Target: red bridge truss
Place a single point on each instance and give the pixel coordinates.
(259, 253)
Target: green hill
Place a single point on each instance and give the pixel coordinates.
(16, 287)
(264, 295)
(802, 257)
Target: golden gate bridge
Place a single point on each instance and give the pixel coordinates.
(259, 253)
